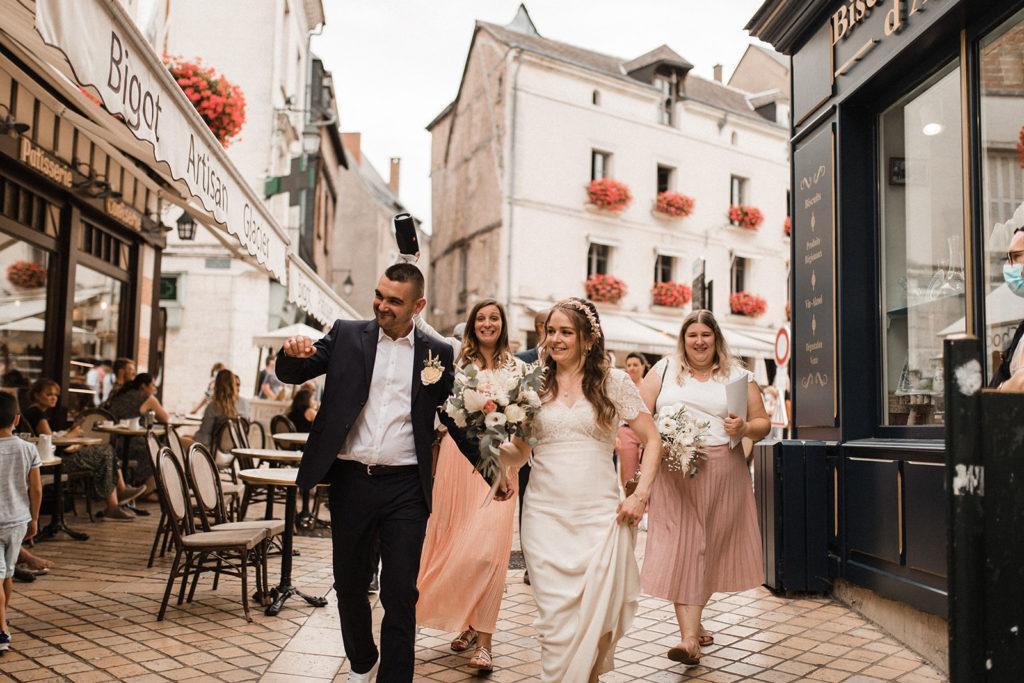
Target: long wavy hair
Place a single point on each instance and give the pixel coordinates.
(594, 359)
(722, 362)
(225, 394)
(471, 349)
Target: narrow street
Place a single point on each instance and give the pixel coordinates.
(93, 618)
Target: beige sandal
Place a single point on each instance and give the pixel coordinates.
(706, 639)
(482, 660)
(465, 640)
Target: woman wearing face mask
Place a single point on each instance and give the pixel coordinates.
(466, 550)
(578, 533)
(702, 531)
(1009, 376)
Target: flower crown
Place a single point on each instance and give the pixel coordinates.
(579, 305)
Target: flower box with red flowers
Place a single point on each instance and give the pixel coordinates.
(745, 303)
(748, 217)
(787, 227)
(220, 103)
(605, 288)
(671, 294)
(26, 274)
(608, 194)
(674, 204)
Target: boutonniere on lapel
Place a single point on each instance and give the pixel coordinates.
(432, 371)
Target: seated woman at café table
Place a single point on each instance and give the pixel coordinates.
(221, 408)
(302, 411)
(99, 461)
(134, 400)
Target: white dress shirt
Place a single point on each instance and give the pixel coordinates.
(382, 434)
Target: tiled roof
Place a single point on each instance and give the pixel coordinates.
(662, 53)
(717, 95)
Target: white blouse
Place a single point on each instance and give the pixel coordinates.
(705, 400)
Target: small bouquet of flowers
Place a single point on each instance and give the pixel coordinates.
(494, 406)
(682, 436)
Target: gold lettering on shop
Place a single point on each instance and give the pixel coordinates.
(42, 161)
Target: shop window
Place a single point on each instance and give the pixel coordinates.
(665, 177)
(95, 321)
(27, 208)
(922, 245)
(664, 267)
(24, 284)
(597, 259)
(738, 275)
(600, 164)
(1002, 135)
(104, 245)
(737, 190)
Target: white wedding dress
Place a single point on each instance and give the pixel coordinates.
(581, 561)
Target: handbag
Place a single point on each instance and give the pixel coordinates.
(630, 486)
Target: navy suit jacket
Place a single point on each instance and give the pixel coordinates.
(346, 355)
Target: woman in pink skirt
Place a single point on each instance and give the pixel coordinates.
(702, 531)
(627, 443)
(466, 550)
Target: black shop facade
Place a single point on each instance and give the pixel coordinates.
(907, 184)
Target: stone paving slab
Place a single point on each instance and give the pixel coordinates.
(93, 618)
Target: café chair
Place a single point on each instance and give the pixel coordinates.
(163, 531)
(233, 551)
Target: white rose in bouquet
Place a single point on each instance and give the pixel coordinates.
(531, 397)
(473, 400)
(515, 414)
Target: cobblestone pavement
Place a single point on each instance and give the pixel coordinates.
(93, 618)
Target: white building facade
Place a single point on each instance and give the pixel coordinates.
(536, 120)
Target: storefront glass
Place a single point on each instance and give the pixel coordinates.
(1002, 137)
(923, 287)
(25, 273)
(94, 332)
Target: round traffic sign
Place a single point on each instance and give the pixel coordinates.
(782, 346)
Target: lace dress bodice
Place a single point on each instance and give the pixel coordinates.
(558, 422)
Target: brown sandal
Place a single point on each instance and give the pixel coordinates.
(686, 655)
(465, 640)
(482, 660)
(706, 638)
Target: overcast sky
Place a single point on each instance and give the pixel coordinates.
(397, 63)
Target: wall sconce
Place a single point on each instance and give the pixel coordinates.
(186, 226)
(9, 123)
(347, 284)
(95, 186)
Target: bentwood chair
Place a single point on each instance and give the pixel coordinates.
(163, 532)
(232, 551)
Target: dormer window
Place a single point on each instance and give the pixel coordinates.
(666, 85)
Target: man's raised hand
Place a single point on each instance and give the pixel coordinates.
(299, 347)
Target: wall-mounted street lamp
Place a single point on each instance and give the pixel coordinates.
(347, 286)
(9, 123)
(186, 226)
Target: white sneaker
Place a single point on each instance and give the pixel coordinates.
(370, 675)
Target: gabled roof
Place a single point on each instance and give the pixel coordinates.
(780, 58)
(662, 54)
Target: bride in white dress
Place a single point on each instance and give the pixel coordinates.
(577, 531)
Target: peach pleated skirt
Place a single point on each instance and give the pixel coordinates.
(702, 533)
(466, 550)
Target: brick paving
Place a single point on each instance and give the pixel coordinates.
(93, 618)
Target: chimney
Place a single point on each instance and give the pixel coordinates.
(718, 72)
(351, 142)
(396, 165)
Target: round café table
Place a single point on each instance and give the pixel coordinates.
(291, 438)
(57, 524)
(269, 455)
(285, 477)
(65, 441)
(126, 430)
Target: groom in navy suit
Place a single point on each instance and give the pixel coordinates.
(372, 442)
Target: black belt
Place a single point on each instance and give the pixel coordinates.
(379, 470)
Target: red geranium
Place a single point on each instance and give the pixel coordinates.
(747, 217)
(674, 294)
(26, 274)
(787, 227)
(745, 303)
(609, 194)
(1020, 148)
(605, 288)
(674, 204)
(220, 102)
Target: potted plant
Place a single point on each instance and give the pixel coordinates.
(604, 288)
(674, 204)
(745, 303)
(609, 194)
(671, 294)
(26, 274)
(748, 217)
(219, 102)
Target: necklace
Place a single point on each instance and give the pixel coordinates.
(701, 375)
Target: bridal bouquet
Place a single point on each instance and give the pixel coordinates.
(493, 406)
(682, 436)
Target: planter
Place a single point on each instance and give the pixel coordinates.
(787, 227)
(747, 304)
(219, 102)
(609, 194)
(606, 289)
(671, 294)
(748, 217)
(673, 204)
(26, 274)
(1020, 148)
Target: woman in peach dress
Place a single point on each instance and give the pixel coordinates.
(466, 550)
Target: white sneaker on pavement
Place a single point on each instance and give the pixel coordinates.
(370, 675)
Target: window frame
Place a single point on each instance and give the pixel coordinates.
(599, 258)
(738, 190)
(670, 181)
(664, 263)
(738, 271)
(606, 163)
